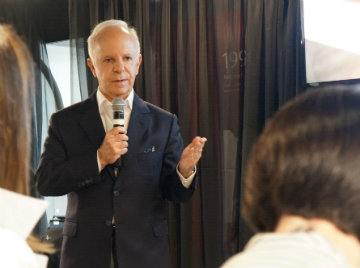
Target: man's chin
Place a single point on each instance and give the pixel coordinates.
(122, 93)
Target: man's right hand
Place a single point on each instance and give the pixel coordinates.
(115, 144)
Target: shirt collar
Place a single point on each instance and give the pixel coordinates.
(130, 99)
(102, 100)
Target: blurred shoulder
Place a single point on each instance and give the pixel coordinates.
(15, 252)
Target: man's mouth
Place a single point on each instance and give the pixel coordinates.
(119, 80)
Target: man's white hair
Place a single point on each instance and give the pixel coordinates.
(110, 23)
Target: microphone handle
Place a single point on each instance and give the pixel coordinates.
(118, 162)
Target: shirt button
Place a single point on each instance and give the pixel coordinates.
(116, 193)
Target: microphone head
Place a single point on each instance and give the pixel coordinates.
(118, 104)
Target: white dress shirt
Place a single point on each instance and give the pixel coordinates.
(106, 114)
(289, 250)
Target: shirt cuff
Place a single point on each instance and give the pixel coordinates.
(186, 182)
(98, 161)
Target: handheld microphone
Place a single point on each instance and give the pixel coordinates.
(118, 107)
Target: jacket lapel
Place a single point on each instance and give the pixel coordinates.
(92, 125)
(90, 121)
(138, 129)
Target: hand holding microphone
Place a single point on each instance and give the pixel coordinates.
(118, 106)
(115, 142)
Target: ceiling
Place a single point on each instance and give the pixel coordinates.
(49, 16)
(53, 19)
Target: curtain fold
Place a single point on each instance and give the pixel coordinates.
(275, 69)
(81, 81)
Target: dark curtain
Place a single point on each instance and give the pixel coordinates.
(223, 66)
(194, 55)
(275, 68)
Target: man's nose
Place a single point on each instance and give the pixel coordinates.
(119, 66)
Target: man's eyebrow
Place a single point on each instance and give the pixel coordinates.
(128, 54)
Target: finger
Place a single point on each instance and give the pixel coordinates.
(119, 130)
(123, 151)
(202, 141)
(198, 147)
(123, 144)
(113, 132)
(199, 140)
(121, 137)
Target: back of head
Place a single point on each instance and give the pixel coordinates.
(16, 80)
(306, 162)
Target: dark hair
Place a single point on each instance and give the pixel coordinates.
(306, 162)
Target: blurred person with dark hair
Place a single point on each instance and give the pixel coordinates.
(16, 87)
(302, 185)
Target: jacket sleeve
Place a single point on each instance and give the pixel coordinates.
(60, 172)
(172, 187)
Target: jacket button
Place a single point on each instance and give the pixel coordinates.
(108, 222)
(116, 193)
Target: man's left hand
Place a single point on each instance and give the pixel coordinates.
(191, 156)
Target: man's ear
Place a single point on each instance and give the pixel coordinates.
(91, 66)
(138, 64)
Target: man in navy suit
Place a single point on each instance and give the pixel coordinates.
(116, 217)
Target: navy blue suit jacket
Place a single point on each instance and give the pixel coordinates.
(136, 198)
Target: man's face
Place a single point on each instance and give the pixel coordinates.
(116, 62)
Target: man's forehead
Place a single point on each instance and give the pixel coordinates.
(114, 40)
(111, 30)
(125, 30)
